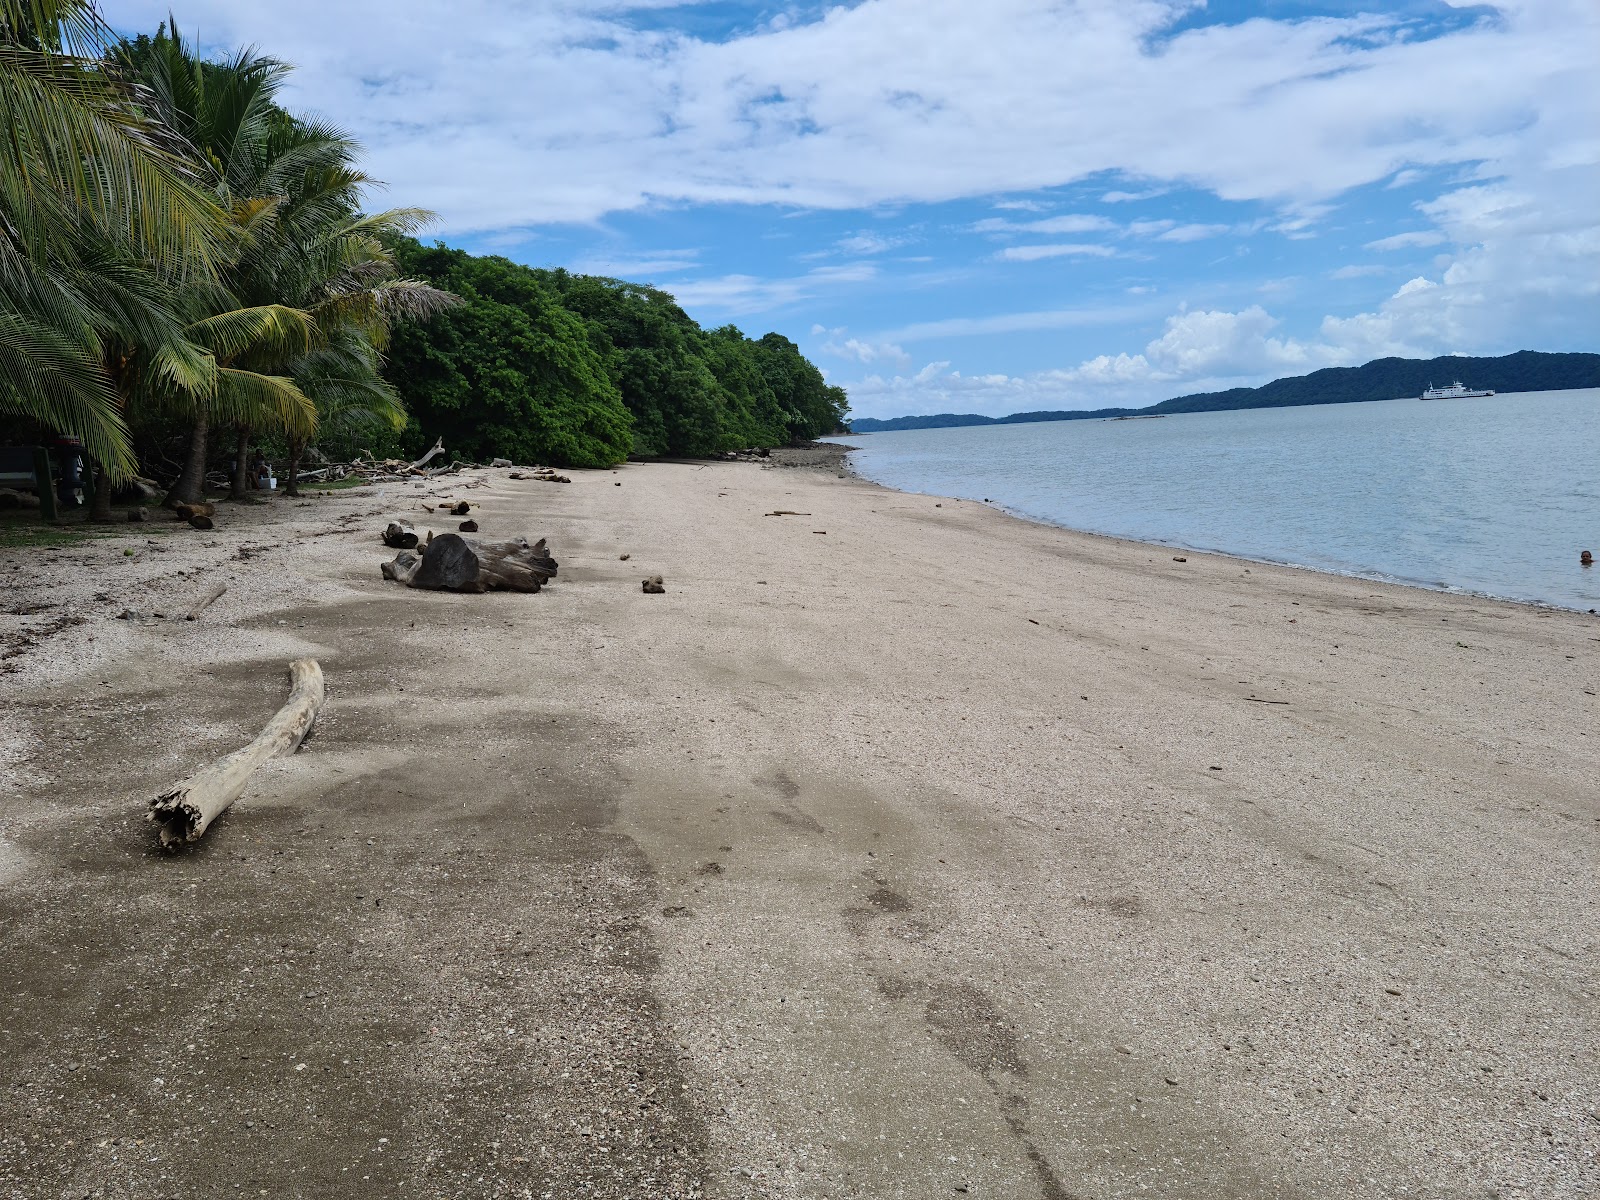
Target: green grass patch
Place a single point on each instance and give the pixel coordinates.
(21, 528)
(26, 528)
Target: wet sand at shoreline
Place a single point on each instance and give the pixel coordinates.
(900, 848)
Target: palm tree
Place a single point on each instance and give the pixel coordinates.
(250, 153)
(100, 218)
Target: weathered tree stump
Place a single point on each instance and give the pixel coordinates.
(454, 563)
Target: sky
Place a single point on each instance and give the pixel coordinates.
(997, 206)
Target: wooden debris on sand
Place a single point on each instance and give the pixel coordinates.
(186, 810)
(400, 536)
(453, 563)
(654, 586)
(369, 469)
(206, 601)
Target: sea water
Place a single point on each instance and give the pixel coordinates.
(1495, 496)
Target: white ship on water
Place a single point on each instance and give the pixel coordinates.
(1456, 391)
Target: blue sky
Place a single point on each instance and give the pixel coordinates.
(1000, 206)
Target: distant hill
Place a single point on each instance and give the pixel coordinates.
(1381, 379)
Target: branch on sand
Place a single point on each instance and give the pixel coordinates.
(186, 810)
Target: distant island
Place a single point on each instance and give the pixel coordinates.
(1381, 379)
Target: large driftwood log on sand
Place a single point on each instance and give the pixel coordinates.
(186, 809)
(453, 563)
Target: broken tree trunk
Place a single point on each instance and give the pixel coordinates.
(186, 809)
(453, 563)
(438, 449)
(400, 536)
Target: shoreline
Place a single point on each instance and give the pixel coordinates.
(901, 846)
(1352, 574)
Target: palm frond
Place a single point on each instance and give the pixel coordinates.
(263, 401)
(55, 381)
(273, 330)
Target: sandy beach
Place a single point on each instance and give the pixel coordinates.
(900, 849)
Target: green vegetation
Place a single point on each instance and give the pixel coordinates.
(186, 272)
(18, 529)
(582, 370)
(184, 256)
(1381, 379)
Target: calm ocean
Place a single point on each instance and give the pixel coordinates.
(1494, 496)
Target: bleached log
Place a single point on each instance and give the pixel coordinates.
(186, 809)
(438, 449)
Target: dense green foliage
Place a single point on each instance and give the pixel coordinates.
(508, 373)
(582, 370)
(1381, 379)
(184, 257)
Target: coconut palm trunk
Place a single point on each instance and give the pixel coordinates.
(292, 472)
(240, 483)
(191, 485)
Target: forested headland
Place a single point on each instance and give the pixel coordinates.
(1381, 379)
(188, 276)
(583, 370)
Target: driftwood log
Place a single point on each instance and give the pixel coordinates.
(188, 512)
(186, 809)
(452, 563)
(438, 449)
(206, 601)
(400, 536)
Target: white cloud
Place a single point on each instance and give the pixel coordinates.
(1060, 250)
(661, 262)
(865, 352)
(565, 110)
(737, 295)
(1125, 197)
(870, 243)
(1192, 232)
(1358, 271)
(1067, 223)
(1017, 322)
(1404, 241)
